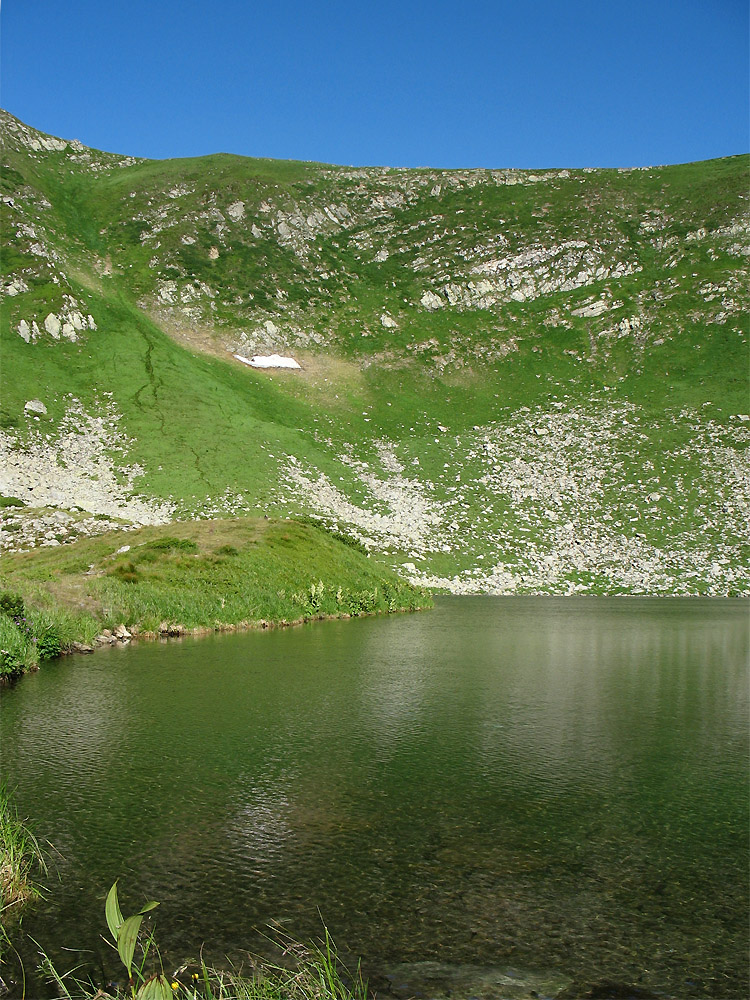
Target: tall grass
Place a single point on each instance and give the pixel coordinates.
(30, 635)
(21, 858)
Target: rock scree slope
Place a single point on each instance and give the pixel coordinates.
(509, 381)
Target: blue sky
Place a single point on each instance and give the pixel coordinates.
(409, 83)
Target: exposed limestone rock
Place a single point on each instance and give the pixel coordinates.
(52, 325)
(35, 406)
(50, 143)
(591, 309)
(16, 287)
(388, 321)
(556, 476)
(629, 325)
(236, 211)
(431, 301)
(76, 467)
(167, 291)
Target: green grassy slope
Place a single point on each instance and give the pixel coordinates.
(510, 381)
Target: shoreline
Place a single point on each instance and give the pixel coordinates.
(123, 635)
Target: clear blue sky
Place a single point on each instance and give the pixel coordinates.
(528, 83)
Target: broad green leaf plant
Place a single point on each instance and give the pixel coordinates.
(125, 930)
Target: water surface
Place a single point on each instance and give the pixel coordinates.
(549, 784)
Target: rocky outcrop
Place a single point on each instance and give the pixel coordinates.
(548, 490)
(66, 481)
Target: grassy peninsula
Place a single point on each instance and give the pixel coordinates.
(187, 577)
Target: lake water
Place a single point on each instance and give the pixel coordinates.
(499, 787)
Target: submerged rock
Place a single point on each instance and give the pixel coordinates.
(607, 990)
(438, 980)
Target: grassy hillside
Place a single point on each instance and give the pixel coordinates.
(510, 382)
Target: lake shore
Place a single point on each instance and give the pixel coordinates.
(193, 578)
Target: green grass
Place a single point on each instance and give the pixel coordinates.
(21, 860)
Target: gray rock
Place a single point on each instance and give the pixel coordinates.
(80, 647)
(236, 210)
(16, 286)
(35, 406)
(52, 325)
(438, 980)
(431, 301)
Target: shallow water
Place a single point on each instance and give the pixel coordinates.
(546, 785)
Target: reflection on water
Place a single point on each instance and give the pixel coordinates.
(557, 785)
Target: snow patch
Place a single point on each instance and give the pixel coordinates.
(268, 361)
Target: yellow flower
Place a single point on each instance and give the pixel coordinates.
(175, 986)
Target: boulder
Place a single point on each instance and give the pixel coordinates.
(431, 301)
(52, 325)
(236, 210)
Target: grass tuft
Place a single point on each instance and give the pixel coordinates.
(21, 858)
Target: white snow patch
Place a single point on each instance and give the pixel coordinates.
(268, 361)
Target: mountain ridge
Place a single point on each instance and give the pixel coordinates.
(497, 367)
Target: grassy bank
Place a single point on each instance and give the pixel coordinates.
(194, 575)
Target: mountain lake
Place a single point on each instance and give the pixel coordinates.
(501, 797)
